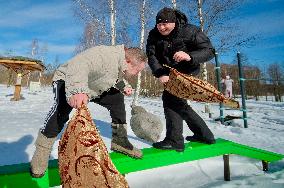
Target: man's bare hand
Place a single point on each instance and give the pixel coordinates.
(77, 100)
(128, 91)
(164, 79)
(181, 56)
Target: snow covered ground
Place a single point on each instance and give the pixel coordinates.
(20, 122)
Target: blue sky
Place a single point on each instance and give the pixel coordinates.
(264, 18)
(50, 22)
(53, 24)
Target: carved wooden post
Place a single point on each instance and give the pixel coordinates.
(18, 85)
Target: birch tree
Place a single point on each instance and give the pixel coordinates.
(219, 23)
(112, 21)
(34, 53)
(174, 2)
(142, 39)
(42, 52)
(95, 31)
(203, 66)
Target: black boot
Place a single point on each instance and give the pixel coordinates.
(168, 145)
(195, 138)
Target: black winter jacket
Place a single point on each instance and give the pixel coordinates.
(185, 37)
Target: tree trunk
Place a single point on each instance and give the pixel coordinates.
(112, 21)
(201, 21)
(203, 67)
(174, 2)
(138, 84)
(9, 83)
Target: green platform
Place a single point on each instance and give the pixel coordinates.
(17, 176)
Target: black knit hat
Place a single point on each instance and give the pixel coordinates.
(166, 15)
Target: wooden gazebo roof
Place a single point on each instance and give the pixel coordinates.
(20, 64)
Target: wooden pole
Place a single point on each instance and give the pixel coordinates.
(17, 92)
(226, 167)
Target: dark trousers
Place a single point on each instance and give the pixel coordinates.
(55, 120)
(176, 110)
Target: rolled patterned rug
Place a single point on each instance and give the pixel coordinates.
(191, 88)
(83, 158)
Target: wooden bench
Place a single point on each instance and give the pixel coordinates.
(12, 176)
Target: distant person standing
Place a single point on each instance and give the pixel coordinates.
(228, 83)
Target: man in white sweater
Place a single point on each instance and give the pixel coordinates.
(95, 75)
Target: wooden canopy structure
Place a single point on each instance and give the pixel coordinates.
(22, 66)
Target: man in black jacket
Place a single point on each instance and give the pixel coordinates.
(183, 46)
